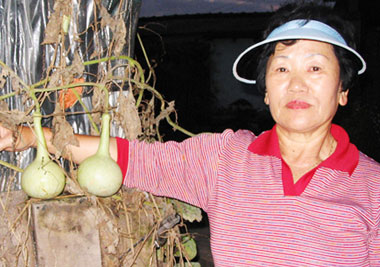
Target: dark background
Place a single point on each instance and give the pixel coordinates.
(179, 49)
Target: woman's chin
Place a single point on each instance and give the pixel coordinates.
(298, 125)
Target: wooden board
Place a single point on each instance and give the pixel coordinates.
(66, 233)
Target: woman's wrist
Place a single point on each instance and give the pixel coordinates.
(24, 138)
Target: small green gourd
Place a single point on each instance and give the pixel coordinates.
(43, 178)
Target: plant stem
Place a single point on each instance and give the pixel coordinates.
(41, 141)
(145, 56)
(11, 166)
(2, 97)
(129, 59)
(87, 111)
(105, 135)
(68, 86)
(160, 97)
(106, 96)
(141, 84)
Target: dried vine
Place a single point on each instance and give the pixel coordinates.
(136, 228)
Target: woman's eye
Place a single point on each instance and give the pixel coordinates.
(315, 68)
(281, 69)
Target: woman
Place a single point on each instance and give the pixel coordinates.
(298, 195)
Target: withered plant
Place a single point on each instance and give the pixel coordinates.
(136, 228)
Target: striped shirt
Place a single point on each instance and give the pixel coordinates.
(258, 216)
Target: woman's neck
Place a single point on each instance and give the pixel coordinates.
(304, 151)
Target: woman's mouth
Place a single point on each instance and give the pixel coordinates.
(297, 104)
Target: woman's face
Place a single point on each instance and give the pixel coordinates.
(303, 85)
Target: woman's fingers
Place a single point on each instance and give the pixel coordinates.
(6, 139)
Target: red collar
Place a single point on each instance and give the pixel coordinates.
(345, 157)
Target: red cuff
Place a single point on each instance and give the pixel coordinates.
(122, 155)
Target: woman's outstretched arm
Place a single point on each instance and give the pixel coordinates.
(88, 145)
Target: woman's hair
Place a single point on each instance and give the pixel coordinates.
(312, 11)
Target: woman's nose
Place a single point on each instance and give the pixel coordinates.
(297, 83)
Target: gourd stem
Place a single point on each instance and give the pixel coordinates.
(41, 142)
(103, 148)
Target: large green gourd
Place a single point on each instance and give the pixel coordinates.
(99, 174)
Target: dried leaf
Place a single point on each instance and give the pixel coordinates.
(147, 119)
(3, 106)
(95, 54)
(63, 134)
(110, 237)
(106, 17)
(118, 29)
(66, 75)
(53, 29)
(72, 186)
(12, 118)
(120, 33)
(165, 112)
(54, 79)
(97, 104)
(77, 67)
(3, 78)
(15, 81)
(15, 230)
(127, 116)
(62, 9)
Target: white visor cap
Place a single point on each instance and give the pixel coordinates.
(300, 29)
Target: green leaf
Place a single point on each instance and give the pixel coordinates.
(187, 211)
(192, 264)
(190, 248)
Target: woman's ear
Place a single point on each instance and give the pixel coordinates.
(343, 97)
(266, 99)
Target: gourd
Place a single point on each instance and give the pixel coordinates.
(99, 174)
(43, 178)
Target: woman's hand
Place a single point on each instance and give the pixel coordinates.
(6, 139)
(10, 141)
